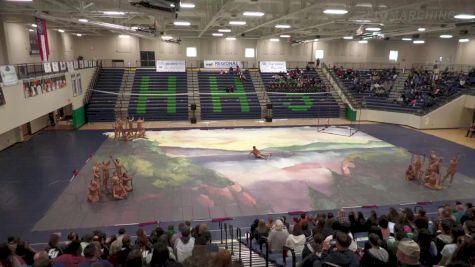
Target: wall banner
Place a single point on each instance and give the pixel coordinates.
(171, 66)
(273, 66)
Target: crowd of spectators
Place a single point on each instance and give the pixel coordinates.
(376, 82)
(424, 88)
(186, 247)
(398, 238)
(296, 81)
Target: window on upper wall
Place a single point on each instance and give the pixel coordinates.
(393, 55)
(249, 52)
(319, 54)
(191, 52)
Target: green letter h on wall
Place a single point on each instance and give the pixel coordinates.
(145, 93)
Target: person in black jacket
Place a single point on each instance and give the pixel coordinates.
(375, 255)
(339, 254)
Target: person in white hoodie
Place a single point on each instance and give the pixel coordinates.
(296, 240)
(184, 245)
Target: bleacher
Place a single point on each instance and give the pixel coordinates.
(217, 104)
(301, 105)
(101, 105)
(143, 102)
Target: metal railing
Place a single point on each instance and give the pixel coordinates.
(92, 85)
(367, 65)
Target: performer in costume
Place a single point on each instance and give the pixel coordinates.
(127, 183)
(452, 169)
(93, 195)
(418, 167)
(118, 191)
(410, 174)
(105, 173)
(258, 154)
(432, 181)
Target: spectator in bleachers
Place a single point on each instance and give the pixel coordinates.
(465, 254)
(277, 237)
(383, 224)
(408, 253)
(338, 252)
(184, 245)
(449, 249)
(312, 251)
(9, 259)
(71, 257)
(41, 259)
(53, 249)
(296, 240)
(261, 233)
(375, 255)
(161, 258)
(92, 256)
(428, 255)
(443, 235)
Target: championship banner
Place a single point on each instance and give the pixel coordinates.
(94, 63)
(76, 64)
(8, 73)
(222, 64)
(47, 67)
(81, 64)
(171, 66)
(55, 66)
(273, 66)
(62, 66)
(34, 87)
(70, 65)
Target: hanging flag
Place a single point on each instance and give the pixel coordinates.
(42, 38)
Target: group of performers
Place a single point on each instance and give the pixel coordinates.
(125, 128)
(431, 177)
(119, 185)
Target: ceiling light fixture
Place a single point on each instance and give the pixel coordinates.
(166, 37)
(282, 26)
(217, 34)
(187, 5)
(464, 16)
(335, 11)
(348, 37)
(113, 13)
(83, 20)
(134, 28)
(19, 0)
(373, 29)
(446, 36)
(235, 22)
(274, 39)
(284, 36)
(464, 40)
(367, 5)
(182, 23)
(230, 38)
(34, 25)
(421, 29)
(419, 42)
(315, 40)
(124, 36)
(406, 39)
(224, 30)
(253, 13)
(31, 30)
(363, 41)
(78, 34)
(60, 30)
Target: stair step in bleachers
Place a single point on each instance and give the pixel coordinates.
(301, 105)
(217, 104)
(154, 95)
(101, 105)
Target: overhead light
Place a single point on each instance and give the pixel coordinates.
(31, 30)
(187, 5)
(83, 20)
(235, 22)
(282, 26)
(274, 39)
(166, 37)
(367, 5)
(284, 36)
(360, 20)
(464, 16)
(217, 34)
(19, 0)
(34, 25)
(315, 40)
(124, 36)
(224, 30)
(230, 38)
(421, 29)
(172, 5)
(182, 23)
(60, 30)
(348, 37)
(382, 6)
(406, 39)
(134, 28)
(363, 41)
(464, 40)
(446, 36)
(373, 29)
(110, 25)
(253, 13)
(419, 42)
(335, 11)
(113, 13)
(78, 34)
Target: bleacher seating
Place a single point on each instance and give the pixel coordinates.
(217, 104)
(301, 105)
(101, 105)
(156, 108)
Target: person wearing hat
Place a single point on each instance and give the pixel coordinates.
(408, 253)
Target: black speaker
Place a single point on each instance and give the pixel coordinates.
(416, 36)
(268, 119)
(193, 106)
(269, 105)
(387, 39)
(463, 32)
(193, 119)
(243, 34)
